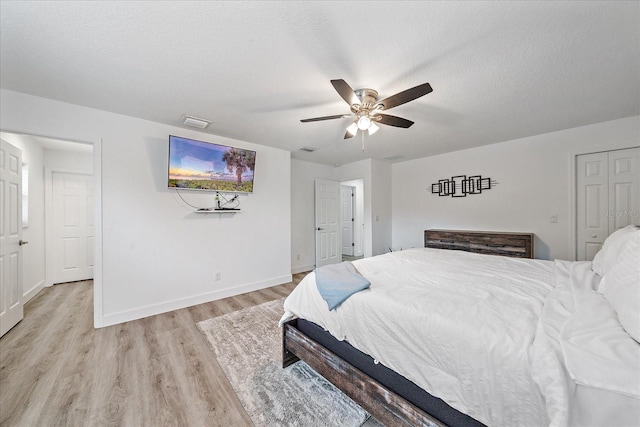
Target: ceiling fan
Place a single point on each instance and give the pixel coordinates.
(368, 110)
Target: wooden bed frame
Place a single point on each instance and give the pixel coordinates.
(384, 404)
(517, 245)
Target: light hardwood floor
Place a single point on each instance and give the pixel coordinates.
(57, 370)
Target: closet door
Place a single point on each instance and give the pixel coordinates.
(608, 197)
(624, 188)
(592, 203)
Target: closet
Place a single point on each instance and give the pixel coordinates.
(608, 197)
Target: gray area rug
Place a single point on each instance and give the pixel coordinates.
(248, 346)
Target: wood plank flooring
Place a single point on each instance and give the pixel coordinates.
(57, 370)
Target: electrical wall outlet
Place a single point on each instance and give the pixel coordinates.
(218, 276)
(553, 218)
(298, 257)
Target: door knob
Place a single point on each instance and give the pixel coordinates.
(319, 228)
(593, 236)
(22, 242)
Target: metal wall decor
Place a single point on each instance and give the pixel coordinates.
(460, 186)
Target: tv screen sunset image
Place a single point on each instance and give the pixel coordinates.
(198, 165)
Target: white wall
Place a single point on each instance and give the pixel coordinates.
(381, 206)
(157, 254)
(33, 254)
(534, 176)
(68, 160)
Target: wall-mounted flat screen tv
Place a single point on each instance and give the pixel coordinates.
(199, 165)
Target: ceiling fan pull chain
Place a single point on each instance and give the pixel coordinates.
(362, 133)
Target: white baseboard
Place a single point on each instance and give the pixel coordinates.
(32, 292)
(302, 269)
(151, 310)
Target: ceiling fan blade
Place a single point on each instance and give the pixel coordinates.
(388, 120)
(406, 96)
(317, 119)
(345, 91)
(348, 135)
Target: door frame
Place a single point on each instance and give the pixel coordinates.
(359, 214)
(573, 196)
(48, 217)
(98, 321)
(353, 216)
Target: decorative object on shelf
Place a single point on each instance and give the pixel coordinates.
(460, 185)
(217, 211)
(221, 205)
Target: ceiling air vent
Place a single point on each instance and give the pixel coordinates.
(308, 149)
(394, 157)
(195, 122)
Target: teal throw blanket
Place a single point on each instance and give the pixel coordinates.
(337, 282)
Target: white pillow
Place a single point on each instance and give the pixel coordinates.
(608, 254)
(622, 287)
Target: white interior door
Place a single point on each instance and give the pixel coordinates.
(73, 227)
(327, 195)
(347, 219)
(592, 202)
(608, 197)
(11, 310)
(624, 188)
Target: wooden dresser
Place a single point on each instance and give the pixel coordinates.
(519, 245)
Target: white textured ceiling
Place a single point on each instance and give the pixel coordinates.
(499, 70)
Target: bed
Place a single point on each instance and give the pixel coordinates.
(455, 338)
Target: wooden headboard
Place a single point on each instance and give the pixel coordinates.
(519, 245)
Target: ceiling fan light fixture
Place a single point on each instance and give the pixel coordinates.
(364, 122)
(373, 128)
(353, 128)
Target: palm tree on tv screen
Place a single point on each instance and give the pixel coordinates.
(240, 160)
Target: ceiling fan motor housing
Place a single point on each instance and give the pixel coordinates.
(368, 106)
(368, 97)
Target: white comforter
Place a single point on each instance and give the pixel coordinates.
(586, 365)
(459, 325)
(510, 342)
